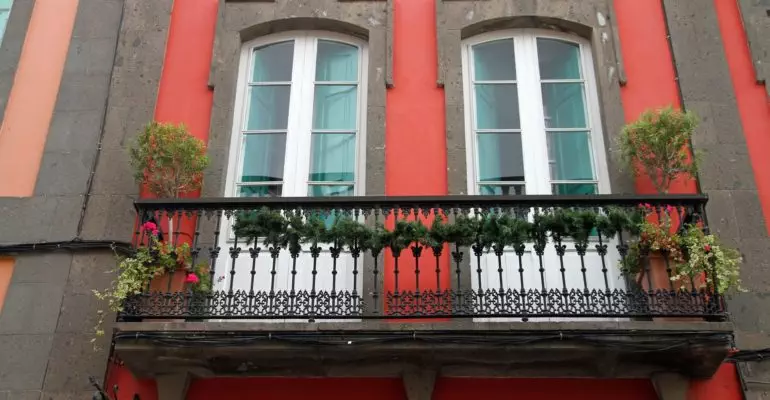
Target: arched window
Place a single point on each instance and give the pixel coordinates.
(299, 117)
(532, 115)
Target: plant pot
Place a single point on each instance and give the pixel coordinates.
(171, 286)
(665, 293)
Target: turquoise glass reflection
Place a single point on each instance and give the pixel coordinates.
(333, 157)
(501, 190)
(330, 190)
(268, 107)
(500, 157)
(558, 59)
(273, 63)
(263, 157)
(494, 61)
(573, 188)
(260, 191)
(564, 105)
(497, 106)
(336, 62)
(570, 156)
(335, 107)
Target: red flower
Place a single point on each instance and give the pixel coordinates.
(192, 278)
(150, 226)
(707, 248)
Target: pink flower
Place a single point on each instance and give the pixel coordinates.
(647, 206)
(670, 209)
(150, 226)
(192, 278)
(155, 232)
(707, 248)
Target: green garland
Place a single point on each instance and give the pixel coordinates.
(291, 230)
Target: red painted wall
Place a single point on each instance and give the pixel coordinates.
(651, 79)
(753, 103)
(724, 385)
(296, 388)
(127, 385)
(574, 389)
(415, 139)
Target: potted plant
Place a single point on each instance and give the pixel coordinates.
(657, 146)
(169, 161)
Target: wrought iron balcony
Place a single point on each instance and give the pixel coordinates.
(489, 258)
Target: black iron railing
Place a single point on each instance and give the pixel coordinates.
(525, 271)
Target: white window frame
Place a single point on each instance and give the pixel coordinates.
(533, 130)
(298, 133)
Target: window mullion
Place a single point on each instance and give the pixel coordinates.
(303, 117)
(527, 90)
(540, 149)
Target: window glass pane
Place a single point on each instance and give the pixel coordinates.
(564, 105)
(268, 107)
(260, 191)
(6, 3)
(328, 190)
(569, 156)
(335, 107)
(273, 63)
(497, 107)
(3, 21)
(501, 190)
(263, 157)
(333, 157)
(574, 188)
(500, 157)
(494, 61)
(336, 62)
(557, 59)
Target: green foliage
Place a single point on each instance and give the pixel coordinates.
(136, 271)
(202, 271)
(658, 145)
(706, 253)
(264, 223)
(503, 230)
(168, 160)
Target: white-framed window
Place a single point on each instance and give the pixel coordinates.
(299, 117)
(5, 13)
(532, 115)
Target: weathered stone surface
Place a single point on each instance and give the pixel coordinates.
(240, 22)
(24, 361)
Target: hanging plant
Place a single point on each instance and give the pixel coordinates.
(657, 145)
(707, 257)
(136, 271)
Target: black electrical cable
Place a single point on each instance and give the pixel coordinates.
(69, 245)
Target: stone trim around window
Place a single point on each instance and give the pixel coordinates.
(240, 22)
(10, 50)
(591, 19)
(756, 22)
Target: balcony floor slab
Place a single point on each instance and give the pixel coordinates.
(607, 349)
